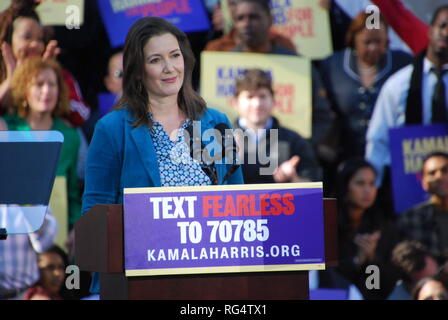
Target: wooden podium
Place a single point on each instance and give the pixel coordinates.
(100, 248)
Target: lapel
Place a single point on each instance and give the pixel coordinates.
(144, 144)
(145, 147)
(206, 122)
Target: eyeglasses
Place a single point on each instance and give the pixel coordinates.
(442, 296)
(53, 267)
(118, 74)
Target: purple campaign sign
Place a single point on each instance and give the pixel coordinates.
(408, 146)
(106, 101)
(223, 228)
(118, 16)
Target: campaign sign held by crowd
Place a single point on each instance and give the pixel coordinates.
(408, 147)
(221, 229)
(290, 75)
(118, 16)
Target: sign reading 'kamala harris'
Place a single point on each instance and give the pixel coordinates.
(221, 229)
(119, 15)
(291, 79)
(304, 22)
(408, 147)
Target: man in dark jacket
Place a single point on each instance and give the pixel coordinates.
(269, 152)
(427, 222)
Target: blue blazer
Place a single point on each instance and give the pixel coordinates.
(122, 156)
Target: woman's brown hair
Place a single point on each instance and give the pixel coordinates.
(23, 77)
(135, 96)
(358, 24)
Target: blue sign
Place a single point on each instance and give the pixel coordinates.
(243, 228)
(118, 15)
(408, 147)
(106, 102)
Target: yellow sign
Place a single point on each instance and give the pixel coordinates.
(226, 16)
(57, 12)
(59, 208)
(291, 77)
(305, 22)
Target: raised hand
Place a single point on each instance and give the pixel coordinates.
(367, 244)
(287, 171)
(10, 60)
(52, 50)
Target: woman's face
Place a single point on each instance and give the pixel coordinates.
(42, 94)
(52, 271)
(432, 290)
(371, 44)
(361, 189)
(27, 38)
(114, 78)
(164, 66)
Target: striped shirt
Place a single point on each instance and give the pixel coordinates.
(18, 255)
(422, 223)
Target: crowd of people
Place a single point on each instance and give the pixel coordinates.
(151, 91)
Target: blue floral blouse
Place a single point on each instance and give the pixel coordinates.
(176, 166)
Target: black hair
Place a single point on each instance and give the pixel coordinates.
(264, 4)
(437, 12)
(432, 155)
(345, 173)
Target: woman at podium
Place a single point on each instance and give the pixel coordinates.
(139, 142)
(133, 145)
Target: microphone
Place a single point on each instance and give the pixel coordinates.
(227, 137)
(196, 147)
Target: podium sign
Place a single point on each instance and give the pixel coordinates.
(223, 229)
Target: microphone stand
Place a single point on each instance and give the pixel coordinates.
(209, 169)
(3, 234)
(222, 128)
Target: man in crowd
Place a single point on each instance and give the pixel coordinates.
(414, 262)
(18, 258)
(253, 20)
(289, 157)
(414, 95)
(427, 222)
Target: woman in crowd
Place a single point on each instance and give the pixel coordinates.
(23, 36)
(3, 125)
(353, 78)
(52, 264)
(366, 236)
(432, 288)
(135, 145)
(40, 101)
